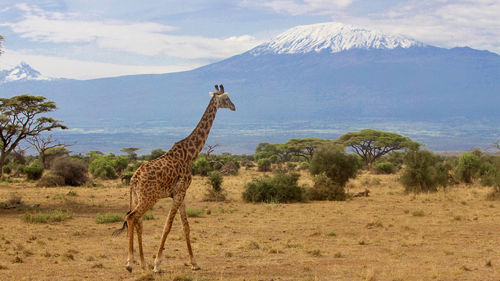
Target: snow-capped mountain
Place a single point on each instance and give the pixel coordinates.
(21, 72)
(311, 81)
(332, 37)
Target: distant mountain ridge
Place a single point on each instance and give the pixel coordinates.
(446, 98)
(21, 72)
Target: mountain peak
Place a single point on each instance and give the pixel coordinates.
(21, 72)
(332, 37)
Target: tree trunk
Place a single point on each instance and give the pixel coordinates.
(3, 156)
(43, 159)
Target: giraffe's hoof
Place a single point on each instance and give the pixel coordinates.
(129, 268)
(195, 267)
(158, 271)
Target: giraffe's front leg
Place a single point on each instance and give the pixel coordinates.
(178, 198)
(185, 224)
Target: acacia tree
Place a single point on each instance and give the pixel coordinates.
(131, 152)
(302, 147)
(372, 144)
(20, 118)
(45, 144)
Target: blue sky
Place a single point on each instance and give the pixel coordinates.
(85, 39)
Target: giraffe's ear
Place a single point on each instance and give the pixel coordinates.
(211, 94)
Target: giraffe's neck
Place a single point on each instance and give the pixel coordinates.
(196, 140)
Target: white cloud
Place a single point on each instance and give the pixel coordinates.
(56, 67)
(301, 7)
(142, 38)
(443, 23)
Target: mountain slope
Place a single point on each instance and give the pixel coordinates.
(447, 98)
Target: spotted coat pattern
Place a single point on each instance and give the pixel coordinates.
(169, 176)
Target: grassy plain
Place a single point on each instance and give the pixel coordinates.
(449, 235)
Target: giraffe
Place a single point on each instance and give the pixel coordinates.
(169, 176)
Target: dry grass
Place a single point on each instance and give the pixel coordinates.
(448, 235)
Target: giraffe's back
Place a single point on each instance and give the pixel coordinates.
(158, 177)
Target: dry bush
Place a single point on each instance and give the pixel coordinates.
(73, 172)
(229, 168)
(282, 188)
(51, 180)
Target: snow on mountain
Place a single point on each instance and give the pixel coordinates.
(21, 72)
(333, 37)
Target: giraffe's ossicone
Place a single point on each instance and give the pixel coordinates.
(169, 176)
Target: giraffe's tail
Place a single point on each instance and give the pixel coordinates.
(124, 226)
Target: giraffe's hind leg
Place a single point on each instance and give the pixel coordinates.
(130, 234)
(185, 224)
(139, 242)
(134, 222)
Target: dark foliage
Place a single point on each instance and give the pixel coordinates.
(73, 172)
(335, 164)
(282, 188)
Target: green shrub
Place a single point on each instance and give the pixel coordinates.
(264, 165)
(215, 180)
(335, 164)
(423, 172)
(6, 169)
(120, 163)
(280, 188)
(261, 155)
(215, 191)
(126, 177)
(489, 175)
(47, 217)
(102, 167)
(396, 158)
(155, 153)
(108, 218)
(384, 168)
(291, 166)
(201, 166)
(468, 167)
(249, 165)
(274, 158)
(304, 166)
(73, 172)
(33, 172)
(51, 180)
(325, 189)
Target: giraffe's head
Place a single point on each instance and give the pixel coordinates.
(222, 98)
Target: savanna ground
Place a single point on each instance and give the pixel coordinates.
(449, 235)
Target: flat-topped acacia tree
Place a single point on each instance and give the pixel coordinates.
(371, 144)
(20, 117)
